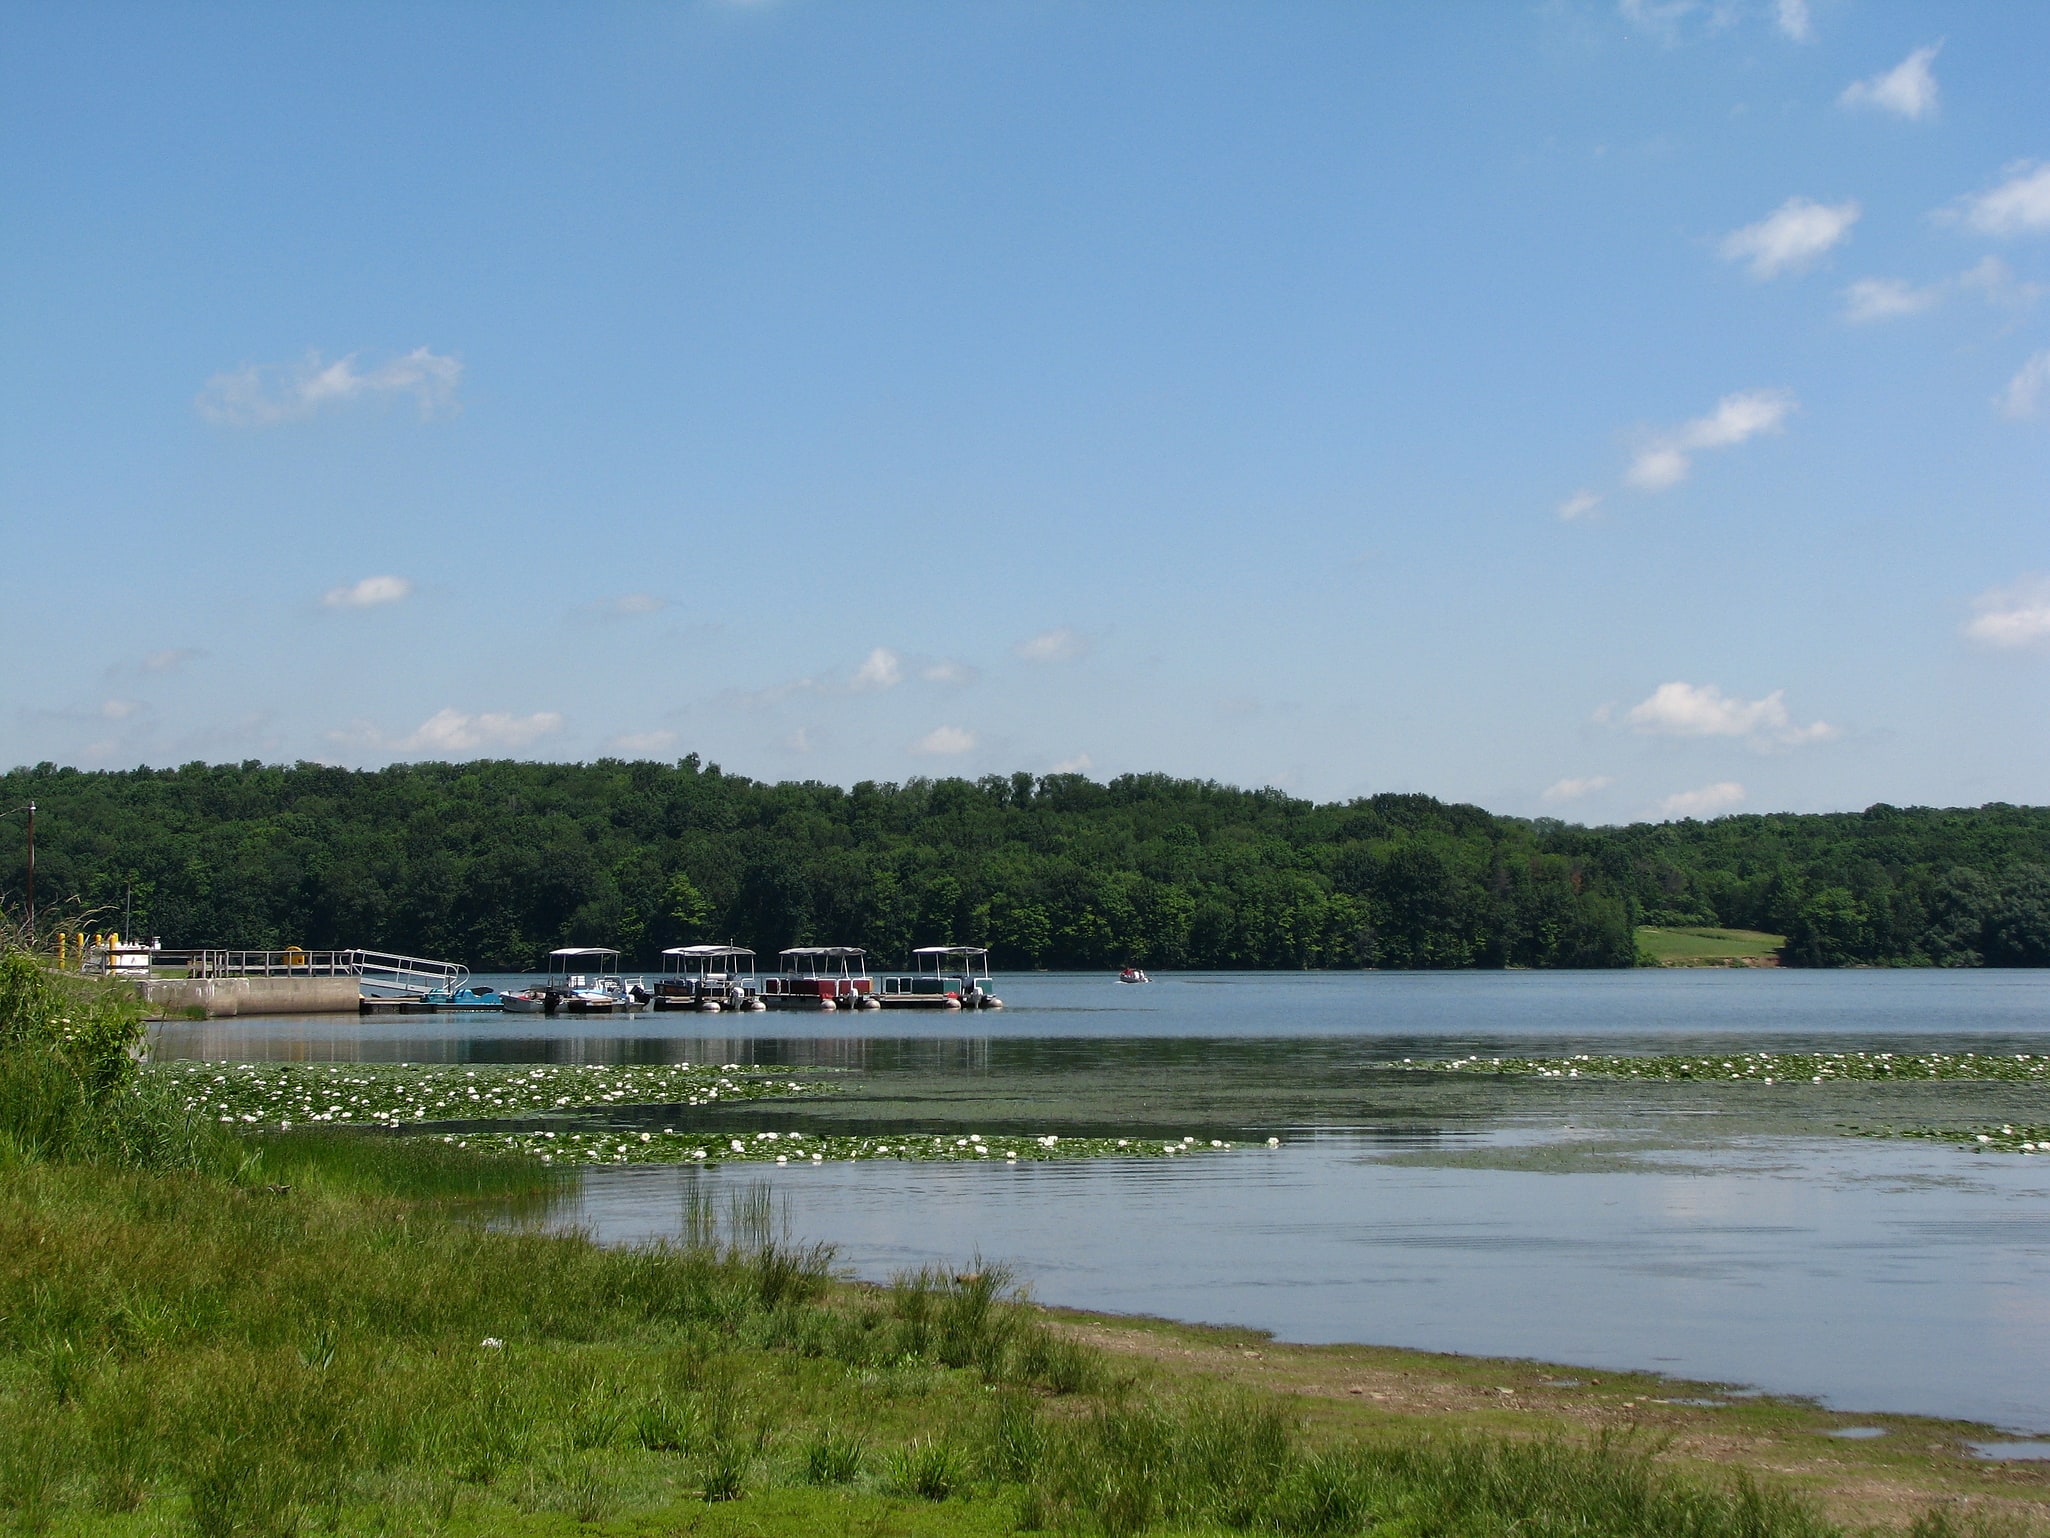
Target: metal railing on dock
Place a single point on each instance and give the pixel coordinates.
(381, 974)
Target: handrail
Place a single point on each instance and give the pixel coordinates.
(386, 972)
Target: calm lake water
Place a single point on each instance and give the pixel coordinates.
(1729, 1233)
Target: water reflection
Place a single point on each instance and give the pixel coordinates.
(1716, 1231)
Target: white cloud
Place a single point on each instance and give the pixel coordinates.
(1079, 764)
(1907, 90)
(637, 603)
(369, 593)
(1666, 460)
(1703, 710)
(944, 742)
(883, 669)
(266, 394)
(1573, 790)
(118, 710)
(947, 671)
(2018, 206)
(1791, 238)
(455, 731)
(1580, 505)
(1705, 802)
(1871, 299)
(1660, 18)
(2011, 617)
(641, 744)
(450, 731)
(1061, 645)
(1793, 19)
(2026, 392)
(798, 741)
(1996, 283)
(170, 661)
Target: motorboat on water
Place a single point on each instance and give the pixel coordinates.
(820, 977)
(524, 1001)
(585, 980)
(943, 977)
(1132, 975)
(708, 978)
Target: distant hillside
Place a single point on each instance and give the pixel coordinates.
(493, 863)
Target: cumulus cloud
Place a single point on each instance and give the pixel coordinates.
(1792, 238)
(2018, 206)
(1705, 802)
(1871, 299)
(1079, 764)
(1582, 504)
(2011, 617)
(1665, 461)
(882, 669)
(1061, 645)
(369, 593)
(944, 742)
(451, 731)
(1573, 790)
(1703, 710)
(1907, 90)
(456, 731)
(266, 394)
(171, 660)
(641, 744)
(118, 710)
(2026, 392)
(947, 671)
(1994, 281)
(1792, 18)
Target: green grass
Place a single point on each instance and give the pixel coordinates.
(1687, 947)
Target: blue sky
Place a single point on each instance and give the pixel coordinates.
(1590, 410)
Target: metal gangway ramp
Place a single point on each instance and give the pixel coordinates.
(379, 974)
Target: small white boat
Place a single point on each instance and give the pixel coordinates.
(1133, 975)
(585, 980)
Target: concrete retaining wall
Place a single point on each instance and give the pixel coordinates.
(222, 996)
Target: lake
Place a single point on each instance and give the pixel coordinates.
(1722, 1232)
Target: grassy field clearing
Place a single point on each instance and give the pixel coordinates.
(1707, 947)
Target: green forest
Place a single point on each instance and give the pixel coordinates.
(493, 863)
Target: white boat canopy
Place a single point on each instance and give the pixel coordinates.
(951, 950)
(578, 952)
(823, 950)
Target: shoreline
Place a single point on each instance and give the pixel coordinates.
(1708, 1429)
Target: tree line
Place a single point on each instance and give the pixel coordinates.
(494, 863)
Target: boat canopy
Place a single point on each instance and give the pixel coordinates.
(708, 961)
(581, 951)
(825, 960)
(951, 950)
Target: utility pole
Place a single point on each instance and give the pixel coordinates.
(32, 873)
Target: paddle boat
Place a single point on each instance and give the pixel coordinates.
(943, 977)
(820, 977)
(462, 996)
(707, 978)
